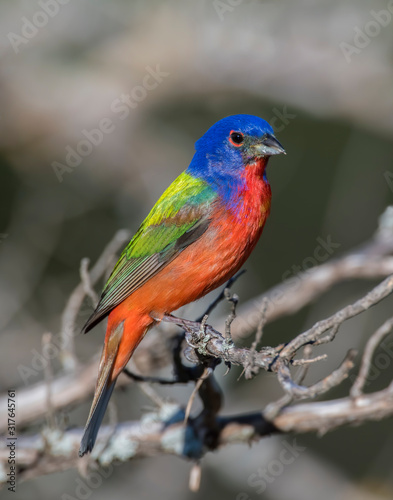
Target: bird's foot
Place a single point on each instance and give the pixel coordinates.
(227, 344)
(203, 337)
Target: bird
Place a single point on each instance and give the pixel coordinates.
(196, 237)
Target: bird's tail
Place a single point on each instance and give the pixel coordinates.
(104, 388)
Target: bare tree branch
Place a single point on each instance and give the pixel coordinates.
(173, 429)
(163, 432)
(70, 389)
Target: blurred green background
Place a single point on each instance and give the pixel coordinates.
(283, 60)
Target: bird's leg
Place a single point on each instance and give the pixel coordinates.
(193, 327)
(182, 373)
(203, 337)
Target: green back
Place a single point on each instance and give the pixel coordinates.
(177, 220)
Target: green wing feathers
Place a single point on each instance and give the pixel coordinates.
(179, 218)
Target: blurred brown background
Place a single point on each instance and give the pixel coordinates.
(320, 71)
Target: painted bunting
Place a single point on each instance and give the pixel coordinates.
(198, 234)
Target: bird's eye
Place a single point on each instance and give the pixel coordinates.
(236, 138)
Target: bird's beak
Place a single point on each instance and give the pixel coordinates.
(268, 145)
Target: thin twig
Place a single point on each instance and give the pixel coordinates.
(329, 337)
(221, 296)
(261, 325)
(376, 295)
(151, 394)
(70, 313)
(273, 409)
(369, 350)
(333, 379)
(206, 372)
(86, 282)
(307, 362)
(48, 374)
(250, 369)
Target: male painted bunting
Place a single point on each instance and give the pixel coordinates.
(198, 234)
